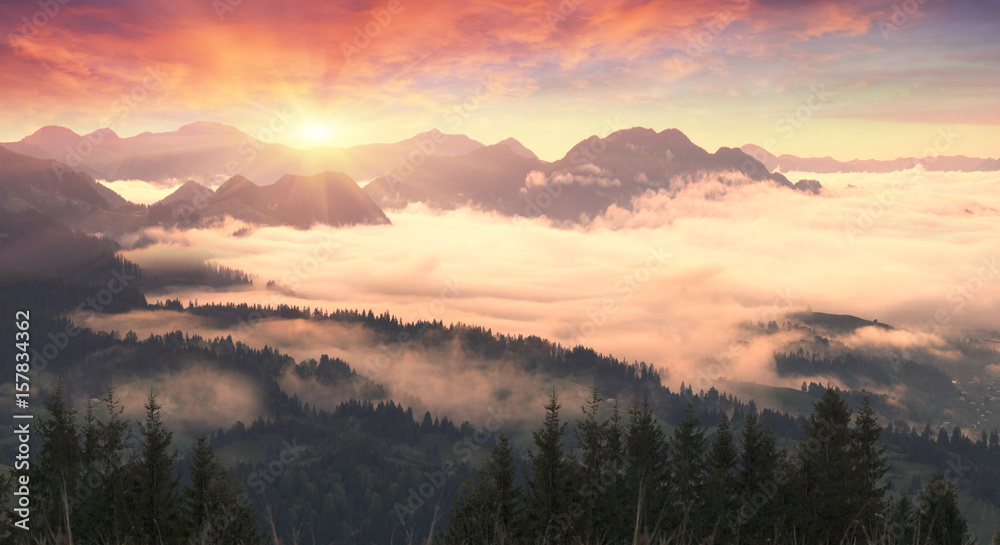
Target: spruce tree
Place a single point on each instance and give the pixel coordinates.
(646, 472)
(870, 467)
(687, 472)
(902, 520)
(591, 436)
(117, 470)
(721, 486)
(159, 502)
(489, 510)
(617, 521)
(57, 467)
(827, 508)
(758, 486)
(213, 512)
(941, 519)
(549, 516)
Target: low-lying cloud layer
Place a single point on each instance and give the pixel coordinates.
(668, 283)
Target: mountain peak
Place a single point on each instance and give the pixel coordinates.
(235, 185)
(517, 147)
(208, 127)
(52, 136)
(444, 144)
(102, 133)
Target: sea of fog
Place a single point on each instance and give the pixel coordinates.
(667, 283)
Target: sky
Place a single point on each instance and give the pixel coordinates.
(849, 79)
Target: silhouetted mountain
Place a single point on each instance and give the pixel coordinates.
(595, 174)
(190, 192)
(487, 178)
(824, 165)
(50, 186)
(330, 198)
(517, 148)
(213, 152)
(835, 323)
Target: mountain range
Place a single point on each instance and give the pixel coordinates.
(594, 175)
(329, 198)
(824, 165)
(272, 184)
(212, 153)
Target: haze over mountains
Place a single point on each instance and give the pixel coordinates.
(212, 153)
(931, 161)
(273, 184)
(594, 175)
(319, 185)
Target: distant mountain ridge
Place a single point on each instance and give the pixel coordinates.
(329, 198)
(213, 152)
(74, 198)
(826, 165)
(594, 175)
(441, 170)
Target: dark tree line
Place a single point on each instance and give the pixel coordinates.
(625, 481)
(94, 482)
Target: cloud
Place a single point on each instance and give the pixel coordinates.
(586, 174)
(667, 284)
(195, 398)
(567, 61)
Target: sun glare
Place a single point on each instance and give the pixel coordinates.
(316, 133)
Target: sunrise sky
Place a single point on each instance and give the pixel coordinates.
(866, 79)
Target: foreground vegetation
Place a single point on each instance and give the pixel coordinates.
(626, 482)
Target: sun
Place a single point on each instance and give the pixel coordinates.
(316, 133)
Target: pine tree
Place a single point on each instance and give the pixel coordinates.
(89, 511)
(212, 511)
(827, 510)
(489, 511)
(57, 467)
(758, 483)
(616, 521)
(117, 471)
(941, 520)
(159, 504)
(688, 471)
(646, 472)
(550, 486)
(902, 520)
(591, 435)
(870, 467)
(721, 485)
